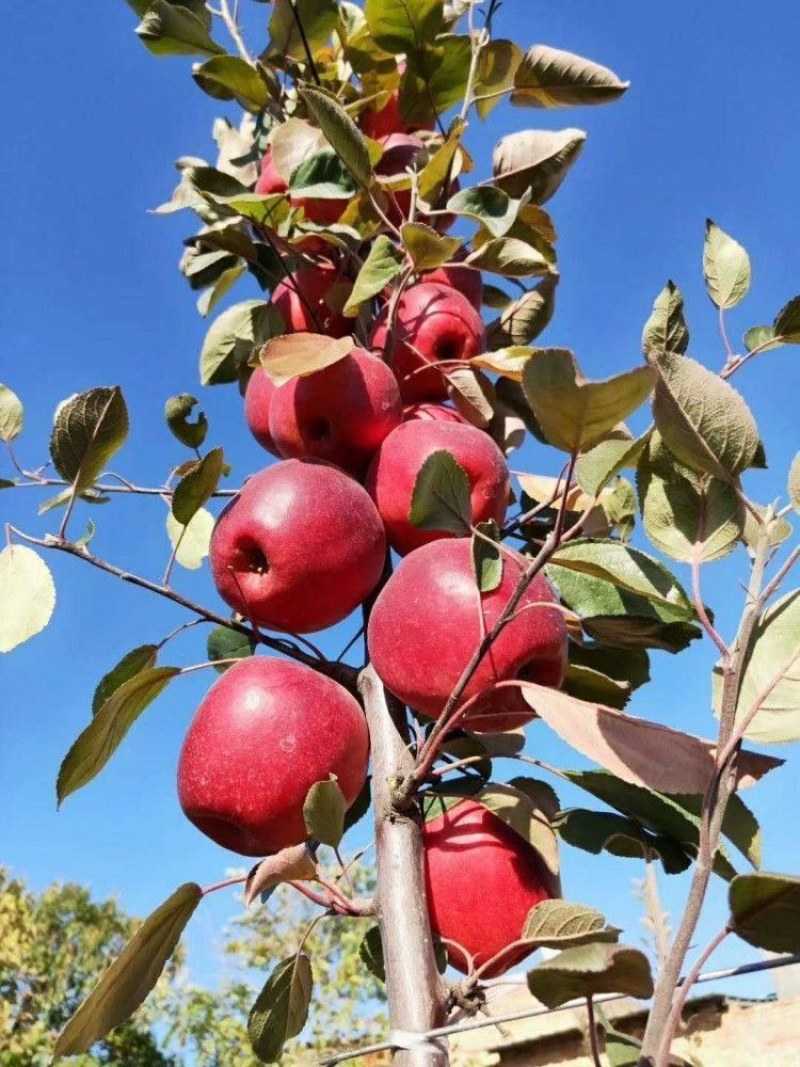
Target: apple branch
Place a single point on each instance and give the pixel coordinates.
(413, 984)
(660, 1031)
(340, 672)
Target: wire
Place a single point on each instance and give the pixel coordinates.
(530, 1013)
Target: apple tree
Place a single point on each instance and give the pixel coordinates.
(389, 369)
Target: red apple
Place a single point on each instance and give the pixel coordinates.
(321, 210)
(425, 627)
(340, 414)
(434, 323)
(397, 463)
(303, 298)
(299, 548)
(384, 121)
(481, 880)
(466, 280)
(439, 412)
(266, 731)
(257, 400)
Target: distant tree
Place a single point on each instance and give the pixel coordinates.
(53, 948)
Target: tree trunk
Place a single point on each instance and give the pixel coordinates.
(413, 985)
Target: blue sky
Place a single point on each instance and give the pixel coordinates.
(92, 296)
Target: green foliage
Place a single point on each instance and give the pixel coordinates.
(53, 948)
(591, 969)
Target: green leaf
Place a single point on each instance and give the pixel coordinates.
(524, 319)
(360, 806)
(626, 568)
(598, 831)
(702, 419)
(615, 616)
(497, 65)
(96, 745)
(441, 497)
(440, 166)
(323, 176)
(224, 643)
(191, 541)
(726, 267)
(508, 362)
(427, 248)
(132, 663)
(11, 414)
(402, 26)
(596, 468)
(628, 666)
(765, 911)
(371, 952)
(528, 806)
(535, 162)
(774, 649)
(435, 78)
(176, 411)
(281, 1010)
(486, 558)
(509, 256)
(793, 485)
(233, 336)
(89, 429)
(27, 595)
(318, 18)
(171, 30)
(295, 863)
(560, 924)
(574, 413)
(383, 263)
(323, 811)
(197, 485)
(486, 204)
(590, 970)
(787, 322)
(666, 329)
(674, 817)
(344, 136)
(549, 77)
(621, 1049)
(762, 337)
(132, 975)
(232, 78)
(586, 683)
(687, 516)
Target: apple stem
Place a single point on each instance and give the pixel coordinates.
(416, 992)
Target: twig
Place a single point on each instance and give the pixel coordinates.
(341, 672)
(686, 983)
(229, 18)
(700, 607)
(593, 1045)
(306, 47)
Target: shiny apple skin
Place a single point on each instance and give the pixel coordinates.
(397, 463)
(426, 410)
(265, 732)
(257, 402)
(465, 280)
(299, 548)
(434, 323)
(425, 627)
(481, 880)
(341, 413)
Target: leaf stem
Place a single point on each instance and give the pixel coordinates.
(593, 1044)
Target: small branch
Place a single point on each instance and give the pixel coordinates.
(690, 979)
(36, 482)
(341, 672)
(229, 18)
(700, 607)
(723, 332)
(745, 720)
(224, 885)
(306, 47)
(593, 1045)
(773, 585)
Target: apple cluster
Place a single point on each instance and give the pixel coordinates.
(305, 543)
